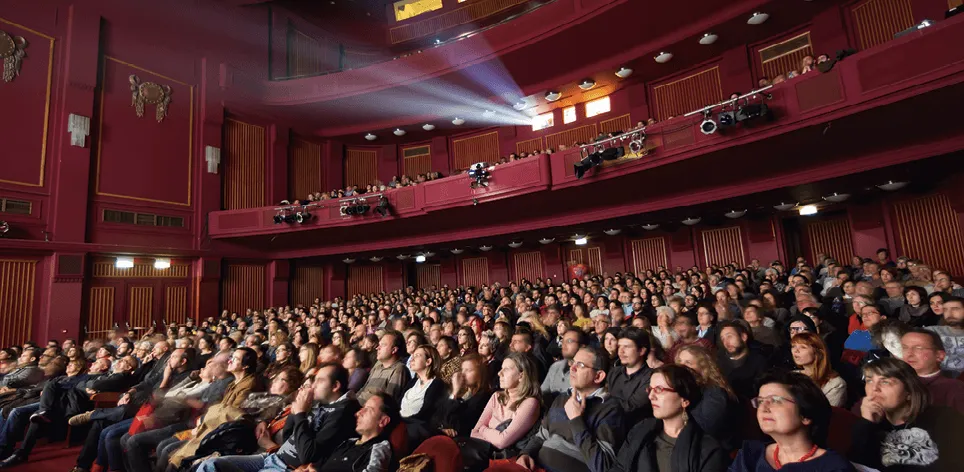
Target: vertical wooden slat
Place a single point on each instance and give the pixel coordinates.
(648, 253)
(475, 271)
(529, 145)
(595, 260)
(928, 229)
(100, 312)
(528, 265)
(245, 165)
(175, 303)
(723, 246)
(619, 123)
(419, 162)
(479, 148)
(17, 278)
(687, 94)
(140, 306)
(581, 134)
(243, 286)
(365, 280)
(429, 275)
(876, 21)
(304, 173)
(361, 167)
(307, 285)
(832, 238)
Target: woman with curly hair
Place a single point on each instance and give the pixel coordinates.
(718, 412)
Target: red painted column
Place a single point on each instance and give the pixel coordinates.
(61, 305)
(279, 274)
(867, 228)
(207, 192)
(207, 287)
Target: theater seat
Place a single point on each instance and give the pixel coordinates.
(444, 453)
(105, 399)
(840, 437)
(399, 440)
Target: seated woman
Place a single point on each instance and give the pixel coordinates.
(811, 357)
(456, 414)
(308, 357)
(899, 429)
(510, 413)
(794, 412)
(283, 358)
(669, 442)
(719, 411)
(358, 364)
(426, 389)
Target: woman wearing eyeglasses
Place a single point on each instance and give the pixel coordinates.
(795, 414)
(900, 430)
(670, 441)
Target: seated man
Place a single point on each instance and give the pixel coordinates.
(924, 351)
(583, 429)
(27, 372)
(370, 447)
(311, 431)
(951, 332)
(860, 339)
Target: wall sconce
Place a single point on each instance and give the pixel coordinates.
(213, 157)
(79, 128)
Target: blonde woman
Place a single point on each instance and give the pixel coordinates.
(512, 412)
(715, 413)
(308, 356)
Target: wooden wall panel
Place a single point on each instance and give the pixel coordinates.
(416, 160)
(528, 265)
(529, 145)
(582, 134)
(243, 286)
(775, 61)
(648, 253)
(479, 148)
(475, 271)
(365, 280)
(831, 237)
(175, 303)
(304, 173)
(723, 246)
(307, 284)
(876, 21)
(361, 167)
(304, 54)
(17, 283)
(619, 123)
(687, 94)
(928, 229)
(140, 306)
(245, 165)
(590, 256)
(100, 310)
(429, 275)
(105, 269)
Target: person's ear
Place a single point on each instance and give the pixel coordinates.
(685, 403)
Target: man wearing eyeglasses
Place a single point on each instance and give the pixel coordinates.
(557, 380)
(924, 351)
(582, 430)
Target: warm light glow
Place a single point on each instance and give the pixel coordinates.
(542, 121)
(582, 241)
(124, 262)
(419, 258)
(569, 115)
(597, 107)
(405, 9)
(162, 263)
(808, 210)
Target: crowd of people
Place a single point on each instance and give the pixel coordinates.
(808, 367)
(372, 188)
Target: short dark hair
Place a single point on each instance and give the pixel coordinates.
(523, 331)
(582, 337)
(637, 336)
(953, 299)
(398, 341)
(684, 381)
(935, 338)
(390, 408)
(231, 342)
(338, 374)
(810, 401)
(739, 325)
(883, 250)
(600, 358)
(250, 360)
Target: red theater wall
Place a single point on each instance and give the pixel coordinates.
(307, 284)
(18, 299)
(243, 285)
(137, 297)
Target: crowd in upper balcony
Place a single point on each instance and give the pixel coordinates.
(372, 188)
(756, 368)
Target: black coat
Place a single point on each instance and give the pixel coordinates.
(695, 451)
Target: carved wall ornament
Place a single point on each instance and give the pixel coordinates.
(149, 92)
(12, 51)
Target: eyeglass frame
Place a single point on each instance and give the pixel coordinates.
(756, 402)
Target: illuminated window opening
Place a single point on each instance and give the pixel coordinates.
(542, 121)
(568, 115)
(597, 107)
(405, 9)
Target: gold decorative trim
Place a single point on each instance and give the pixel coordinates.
(190, 139)
(50, 76)
(149, 92)
(12, 50)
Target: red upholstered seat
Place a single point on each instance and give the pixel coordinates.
(444, 453)
(399, 440)
(840, 437)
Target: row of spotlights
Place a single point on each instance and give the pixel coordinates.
(160, 263)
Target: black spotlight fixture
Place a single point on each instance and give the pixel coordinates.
(303, 216)
(354, 207)
(4, 228)
(280, 217)
(599, 154)
(751, 112)
(480, 175)
(708, 126)
(290, 218)
(383, 207)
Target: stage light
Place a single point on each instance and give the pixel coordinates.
(552, 96)
(734, 214)
(891, 186)
(371, 137)
(438, 41)
(708, 38)
(624, 72)
(279, 217)
(124, 262)
(162, 263)
(303, 216)
(480, 174)
(708, 126)
(663, 57)
(808, 210)
(4, 228)
(420, 258)
(383, 207)
(837, 197)
(784, 206)
(458, 121)
(428, 127)
(580, 240)
(398, 132)
(587, 84)
(758, 18)
(691, 221)
(650, 227)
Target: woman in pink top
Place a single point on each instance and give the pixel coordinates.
(512, 412)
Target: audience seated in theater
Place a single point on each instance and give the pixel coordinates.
(557, 379)
(924, 351)
(719, 412)
(389, 374)
(627, 382)
(810, 355)
(740, 360)
(951, 331)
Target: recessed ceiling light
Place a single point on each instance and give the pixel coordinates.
(663, 57)
(428, 127)
(691, 221)
(371, 137)
(587, 84)
(708, 38)
(837, 197)
(808, 210)
(650, 227)
(552, 96)
(758, 18)
(891, 186)
(399, 132)
(624, 72)
(458, 121)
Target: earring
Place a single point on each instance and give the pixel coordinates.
(686, 417)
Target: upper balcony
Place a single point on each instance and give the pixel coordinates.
(883, 106)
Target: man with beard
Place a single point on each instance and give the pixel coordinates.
(739, 363)
(951, 331)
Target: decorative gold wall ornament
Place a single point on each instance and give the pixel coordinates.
(12, 52)
(149, 92)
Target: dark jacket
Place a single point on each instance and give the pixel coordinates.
(750, 459)
(435, 392)
(630, 391)
(117, 382)
(743, 375)
(310, 439)
(695, 451)
(931, 443)
(720, 416)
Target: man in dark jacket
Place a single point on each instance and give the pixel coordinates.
(581, 431)
(739, 363)
(369, 449)
(627, 382)
(311, 431)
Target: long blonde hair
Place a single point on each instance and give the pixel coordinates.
(529, 386)
(708, 370)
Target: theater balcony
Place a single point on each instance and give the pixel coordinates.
(885, 106)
